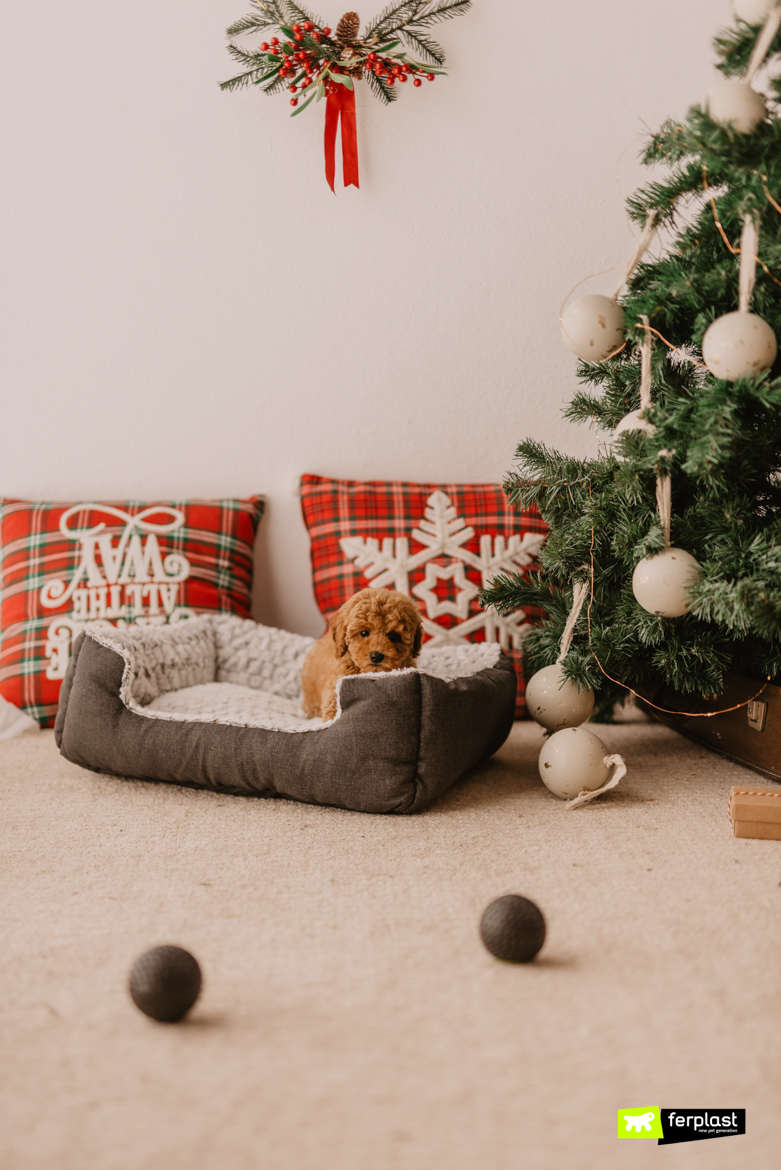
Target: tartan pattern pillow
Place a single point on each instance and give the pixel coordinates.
(439, 543)
(64, 565)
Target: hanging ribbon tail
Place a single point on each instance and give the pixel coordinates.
(341, 105)
(584, 796)
(332, 111)
(349, 138)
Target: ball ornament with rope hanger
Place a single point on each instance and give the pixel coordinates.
(662, 582)
(741, 344)
(736, 104)
(593, 326)
(634, 421)
(574, 762)
(553, 700)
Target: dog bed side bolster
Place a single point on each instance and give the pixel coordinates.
(462, 722)
(90, 706)
(65, 689)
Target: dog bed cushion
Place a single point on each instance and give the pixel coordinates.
(215, 702)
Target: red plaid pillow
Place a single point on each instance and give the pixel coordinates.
(439, 543)
(62, 565)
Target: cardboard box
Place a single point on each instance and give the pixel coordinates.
(756, 812)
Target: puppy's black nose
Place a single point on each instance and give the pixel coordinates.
(376, 656)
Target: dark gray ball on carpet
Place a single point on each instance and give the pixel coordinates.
(513, 928)
(165, 983)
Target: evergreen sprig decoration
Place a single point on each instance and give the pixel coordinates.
(311, 61)
(725, 436)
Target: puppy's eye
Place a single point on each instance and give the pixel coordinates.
(364, 633)
(394, 636)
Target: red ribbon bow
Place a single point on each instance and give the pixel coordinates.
(341, 104)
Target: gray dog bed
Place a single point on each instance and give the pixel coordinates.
(214, 702)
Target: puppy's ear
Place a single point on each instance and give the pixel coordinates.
(418, 639)
(338, 628)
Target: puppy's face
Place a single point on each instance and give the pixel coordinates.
(380, 629)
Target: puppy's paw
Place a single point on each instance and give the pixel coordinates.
(328, 704)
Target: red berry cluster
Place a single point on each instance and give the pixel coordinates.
(298, 60)
(392, 71)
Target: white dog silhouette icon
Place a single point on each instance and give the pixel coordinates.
(638, 1123)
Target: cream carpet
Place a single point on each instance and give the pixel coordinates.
(351, 1019)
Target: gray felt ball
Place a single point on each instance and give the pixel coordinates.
(513, 928)
(165, 983)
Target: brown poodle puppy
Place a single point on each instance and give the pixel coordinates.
(377, 629)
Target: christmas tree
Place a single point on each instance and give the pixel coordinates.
(697, 464)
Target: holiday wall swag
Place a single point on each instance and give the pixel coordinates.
(311, 62)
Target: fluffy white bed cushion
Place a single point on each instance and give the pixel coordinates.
(218, 668)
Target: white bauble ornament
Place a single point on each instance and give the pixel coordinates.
(753, 11)
(631, 422)
(555, 701)
(739, 345)
(736, 104)
(573, 760)
(593, 327)
(661, 583)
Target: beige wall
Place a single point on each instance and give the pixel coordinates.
(188, 310)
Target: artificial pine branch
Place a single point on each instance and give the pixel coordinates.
(398, 13)
(239, 81)
(295, 13)
(443, 10)
(428, 49)
(249, 24)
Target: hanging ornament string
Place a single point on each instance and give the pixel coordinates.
(664, 500)
(583, 797)
(579, 595)
(749, 245)
(645, 365)
(763, 42)
(643, 244)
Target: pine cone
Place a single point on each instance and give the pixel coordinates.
(347, 28)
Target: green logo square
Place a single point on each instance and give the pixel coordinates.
(640, 1123)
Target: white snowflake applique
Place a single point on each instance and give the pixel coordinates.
(443, 533)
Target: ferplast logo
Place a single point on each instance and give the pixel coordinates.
(672, 1126)
(640, 1123)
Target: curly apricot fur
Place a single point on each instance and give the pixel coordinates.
(376, 630)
